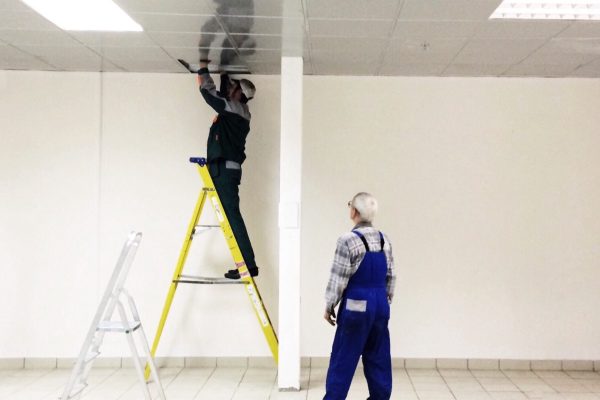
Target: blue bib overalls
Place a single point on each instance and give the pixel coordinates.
(363, 330)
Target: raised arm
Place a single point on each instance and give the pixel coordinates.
(224, 86)
(209, 90)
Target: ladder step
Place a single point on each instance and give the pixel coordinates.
(200, 280)
(118, 326)
(198, 229)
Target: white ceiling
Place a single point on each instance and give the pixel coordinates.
(335, 37)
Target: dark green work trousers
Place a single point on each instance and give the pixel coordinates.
(227, 182)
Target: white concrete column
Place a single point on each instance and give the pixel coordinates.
(290, 191)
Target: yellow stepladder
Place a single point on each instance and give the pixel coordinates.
(209, 191)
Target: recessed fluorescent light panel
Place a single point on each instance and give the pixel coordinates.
(85, 15)
(548, 9)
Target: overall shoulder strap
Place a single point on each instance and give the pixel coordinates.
(382, 240)
(360, 235)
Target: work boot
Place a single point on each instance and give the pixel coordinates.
(235, 274)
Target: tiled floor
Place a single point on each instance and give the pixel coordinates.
(261, 384)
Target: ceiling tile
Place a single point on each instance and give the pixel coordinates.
(274, 8)
(431, 37)
(119, 55)
(271, 56)
(257, 41)
(323, 57)
(26, 20)
(182, 39)
(37, 38)
(191, 55)
(338, 67)
(412, 51)
(177, 22)
(590, 70)
(265, 68)
(228, 57)
(109, 67)
(143, 59)
(475, 69)
(255, 25)
(520, 29)
(294, 46)
(350, 27)
(436, 29)
(68, 58)
(539, 70)
(308, 68)
(264, 56)
(361, 46)
(12, 58)
(497, 52)
(566, 51)
(269, 8)
(462, 10)
(13, 5)
(167, 7)
(582, 29)
(408, 69)
(158, 66)
(358, 9)
(118, 39)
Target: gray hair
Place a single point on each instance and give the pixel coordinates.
(366, 205)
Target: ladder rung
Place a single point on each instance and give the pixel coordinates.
(198, 229)
(200, 280)
(91, 357)
(76, 390)
(118, 326)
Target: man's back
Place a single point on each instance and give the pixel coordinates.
(349, 253)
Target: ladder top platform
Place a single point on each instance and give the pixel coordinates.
(198, 160)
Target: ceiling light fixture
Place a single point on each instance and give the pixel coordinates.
(85, 15)
(548, 9)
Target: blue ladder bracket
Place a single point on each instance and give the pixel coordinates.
(198, 160)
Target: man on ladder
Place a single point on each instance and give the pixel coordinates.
(226, 151)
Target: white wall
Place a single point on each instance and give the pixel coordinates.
(489, 189)
(87, 158)
(490, 192)
(49, 125)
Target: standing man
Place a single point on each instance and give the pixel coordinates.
(226, 151)
(362, 280)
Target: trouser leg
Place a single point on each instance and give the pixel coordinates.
(227, 183)
(348, 345)
(377, 361)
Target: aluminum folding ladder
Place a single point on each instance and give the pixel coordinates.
(127, 322)
(209, 192)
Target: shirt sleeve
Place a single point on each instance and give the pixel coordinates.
(339, 276)
(391, 271)
(224, 87)
(208, 89)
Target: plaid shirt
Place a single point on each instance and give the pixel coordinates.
(349, 254)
